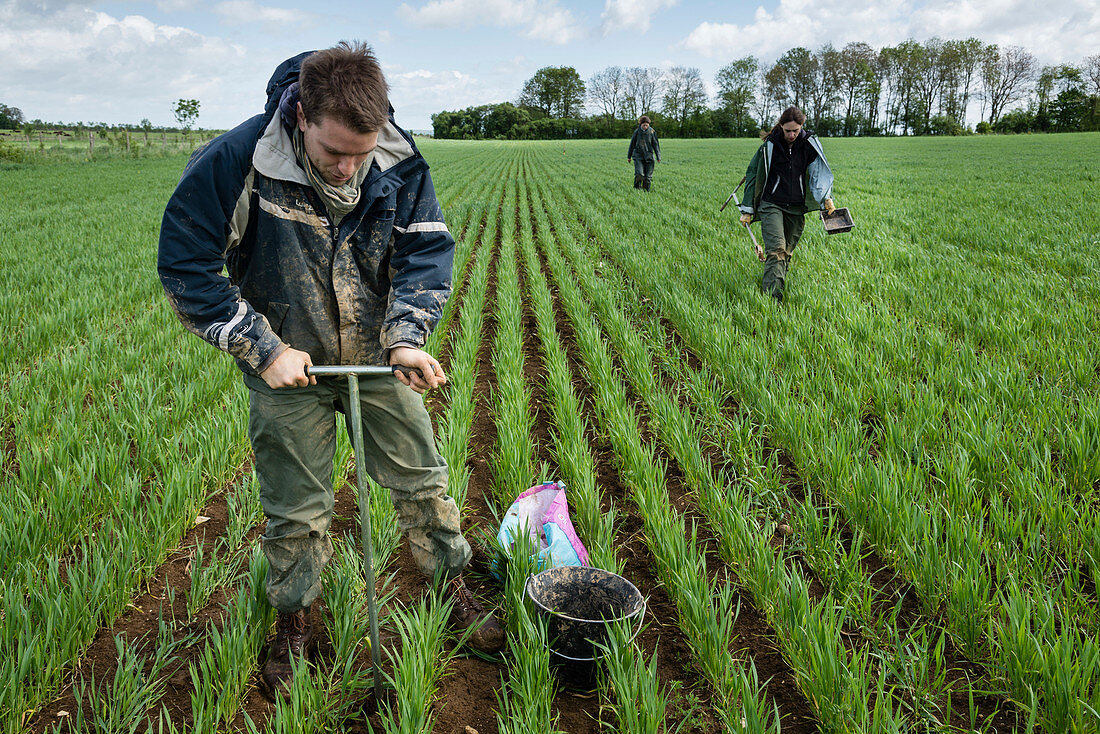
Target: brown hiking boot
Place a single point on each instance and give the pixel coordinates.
(293, 636)
(467, 613)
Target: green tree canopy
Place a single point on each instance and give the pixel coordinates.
(737, 82)
(685, 95)
(186, 112)
(557, 91)
(11, 117)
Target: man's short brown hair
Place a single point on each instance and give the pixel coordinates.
(345, 84)
(643, 118)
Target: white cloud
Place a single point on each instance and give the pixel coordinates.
(812, 23)
(78, 64)
(40, 7)
(1067, 31)
(556, 26)
(416, 95)
(632, 15)
(175, 6)
(245, 12)
(543, 21)
(422, 81)
(809, 23)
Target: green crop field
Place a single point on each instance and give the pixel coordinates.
(874, 507)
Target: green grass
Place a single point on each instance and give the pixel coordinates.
(933, 377)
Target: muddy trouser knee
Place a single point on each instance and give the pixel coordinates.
(401, 456)
(293, 433)
(781, 228)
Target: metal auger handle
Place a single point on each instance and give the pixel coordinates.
(370, 370)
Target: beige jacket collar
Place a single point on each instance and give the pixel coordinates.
(274, 153)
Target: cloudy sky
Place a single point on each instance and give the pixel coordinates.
(119, 62)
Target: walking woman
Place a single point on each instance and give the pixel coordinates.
(645, 151)
(787, 177)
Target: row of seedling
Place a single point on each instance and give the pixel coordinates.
(627, 290)
(54, 602)
(421, 658)
(913, 667)
(629, 684)
(707, 609)
(527, 691)
(418, 660)
(129, 698)
(934, 398)
(456, 423)
(206, 574)
(77, 265)
(957, 575)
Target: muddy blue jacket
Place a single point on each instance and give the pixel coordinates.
(344, 294)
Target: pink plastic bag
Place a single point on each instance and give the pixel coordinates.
(544, 511)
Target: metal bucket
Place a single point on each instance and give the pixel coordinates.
(837, 222)
(578, 602)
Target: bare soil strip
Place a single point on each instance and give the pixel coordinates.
(467, 692)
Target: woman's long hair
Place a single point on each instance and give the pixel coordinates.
(791, 114)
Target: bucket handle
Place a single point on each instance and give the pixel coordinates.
(637, 631)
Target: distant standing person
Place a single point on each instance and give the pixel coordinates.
(787, 177)
(645, 151)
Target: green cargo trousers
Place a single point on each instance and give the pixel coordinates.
(781, 228)
(643, 173)
(293, 432)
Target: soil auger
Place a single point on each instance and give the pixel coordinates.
(755, 245)
(355, 420)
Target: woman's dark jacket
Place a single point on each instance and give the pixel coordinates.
(808, 187)
(644, 145)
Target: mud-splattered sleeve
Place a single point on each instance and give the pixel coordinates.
(194, 235)
(422, 260)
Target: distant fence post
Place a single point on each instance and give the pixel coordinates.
(127, 142)
(91, 142)
(164, 140)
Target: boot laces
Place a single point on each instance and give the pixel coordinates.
(465, 602)
(290, 628)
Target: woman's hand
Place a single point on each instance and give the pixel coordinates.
(746, 219)
(829, 208)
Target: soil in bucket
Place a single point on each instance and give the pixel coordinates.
(577, 603)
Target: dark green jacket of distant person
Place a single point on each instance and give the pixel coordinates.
(644, 145)
(816, 181)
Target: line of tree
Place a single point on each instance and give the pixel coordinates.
(11, 118)
(909, 89)
(186, 112)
